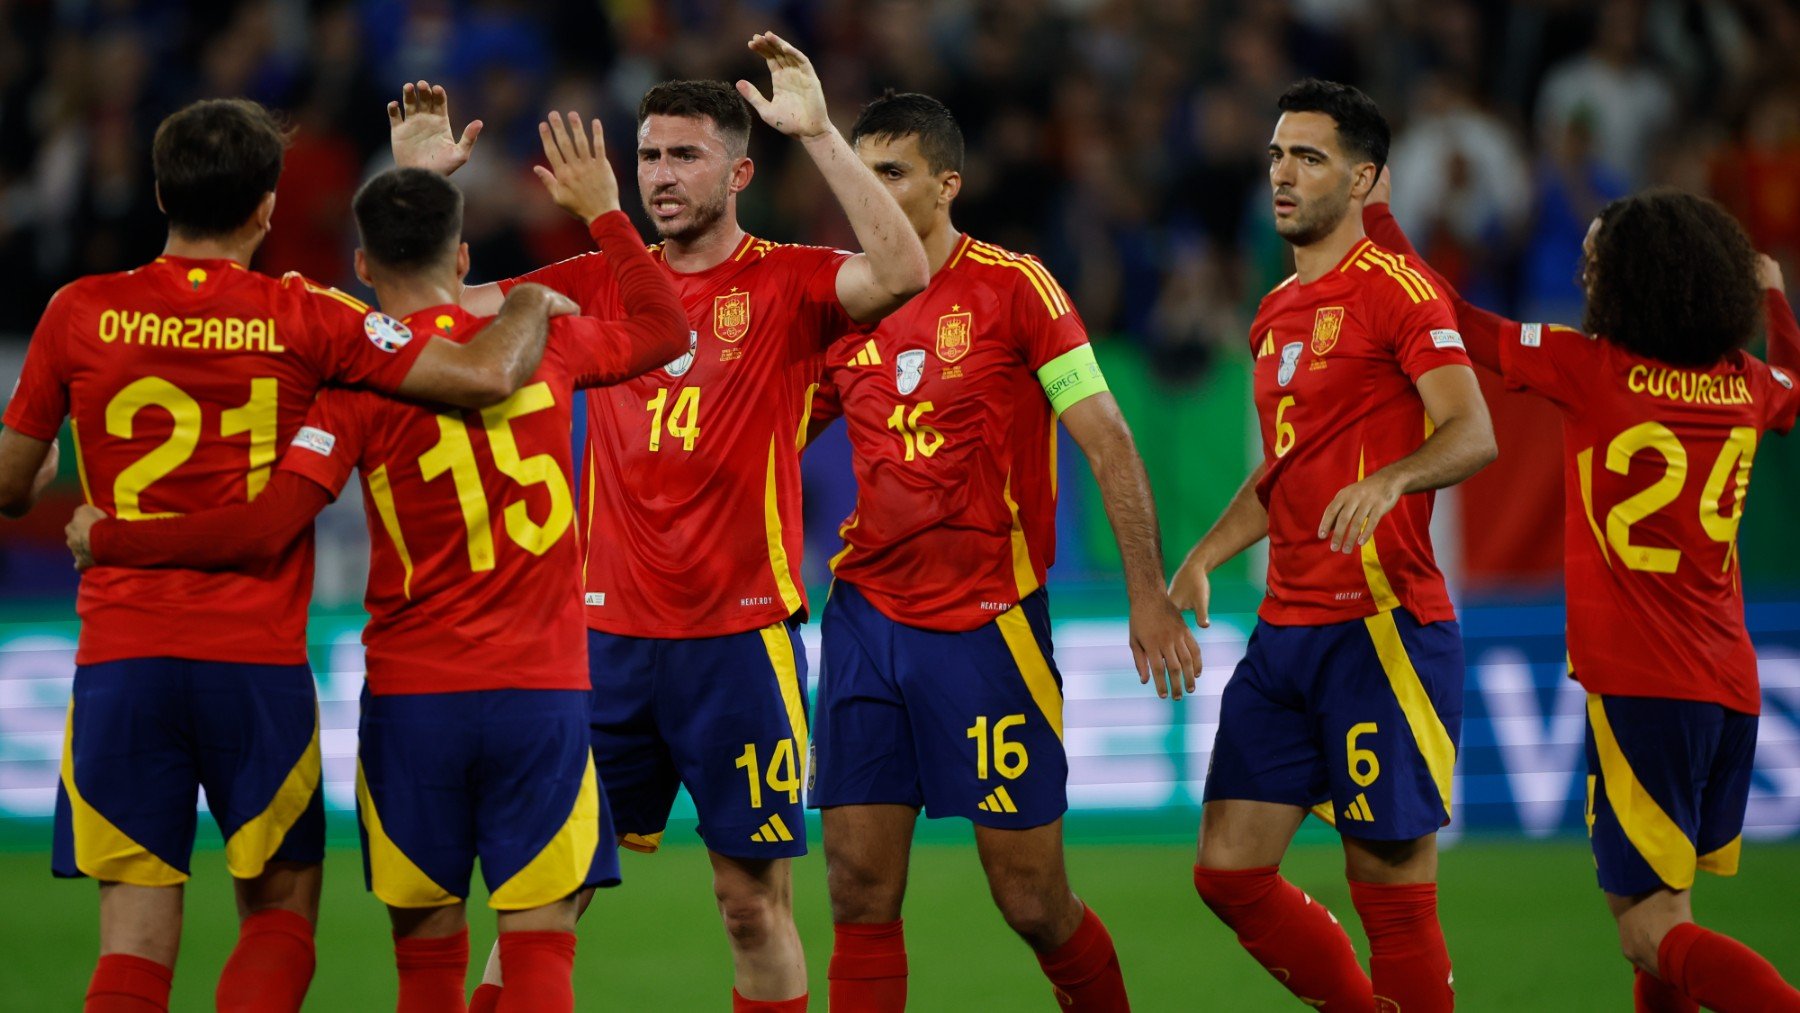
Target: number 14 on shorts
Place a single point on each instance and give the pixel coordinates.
(782, 773)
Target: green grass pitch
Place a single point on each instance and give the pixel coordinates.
(1527, 930)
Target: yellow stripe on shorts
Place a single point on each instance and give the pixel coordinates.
(102, 850)
(1033, 667)
(787, 675)
(393, 877)
(1427, 728)
(254, 843)
(1656, 837)
(561, 867)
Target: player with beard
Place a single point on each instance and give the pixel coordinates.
(692, 513)
(1350, 690)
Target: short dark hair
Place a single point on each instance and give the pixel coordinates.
(712, 100)
(410, 219)
(911, 114)
(1362, 130)
(214, 161)
(1673, 277)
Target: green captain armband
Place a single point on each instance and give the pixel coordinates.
(1071, 377)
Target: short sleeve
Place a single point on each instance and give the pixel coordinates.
(1783, 400)
(817, 269)
(1546, 359)
(1422, 328)
(360, 346)
(1045, 320)
(40, 402)
(326, 448)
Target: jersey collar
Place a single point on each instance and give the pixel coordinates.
(449, 320)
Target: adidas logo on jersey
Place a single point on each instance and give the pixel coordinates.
(998, 801)
(773, 831)
(869, 356)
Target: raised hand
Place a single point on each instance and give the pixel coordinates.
(580, 179)
(77, 534)
(796, 102)
(1768, 273)
(419, 131)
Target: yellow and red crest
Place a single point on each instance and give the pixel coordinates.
(954, 333)
(731, 315)
(1326, 325)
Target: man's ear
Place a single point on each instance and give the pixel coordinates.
(265, 212)
(362, 269)
(462, 261)
(949, 185)
(741, 174)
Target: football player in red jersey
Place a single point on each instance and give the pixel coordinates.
(693, 587)
(938, 688)
(1662, 414)
(474, 736)
(1350, 691)
(181, 380)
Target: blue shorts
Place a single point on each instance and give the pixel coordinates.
(1365, 714)
(1667, 784)
(499, 774)
(144, 734)
(725, 716)
(962, 724)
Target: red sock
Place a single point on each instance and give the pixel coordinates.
(124, 983)
(539, 971)
(270, 967)
(486, 998)
(1722, 974)
(1085, 970)
(1651, 995)
(739, 1004)
(432, 972)
(1291, 935)
(868, 968)
(1408, 962)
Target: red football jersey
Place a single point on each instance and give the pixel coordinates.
(182, 380)
(1336, 364)
(954, 441)
(1656, 471)
(475, 568)
(692, 490)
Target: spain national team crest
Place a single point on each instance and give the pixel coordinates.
(909, 369)
(1326, 325)
(677, 367)
(731, 316)
(1290, 361)
(954, 333)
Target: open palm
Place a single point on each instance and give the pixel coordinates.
(796, 102)
(419, 131)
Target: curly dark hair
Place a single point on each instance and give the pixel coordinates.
(1673, 277)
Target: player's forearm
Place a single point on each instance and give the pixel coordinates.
(1458, 448)
(27, 467)
(1130, 508)
(655, 328)
(227, 538)
(493, 364)
(1243, 523)
(898, 267)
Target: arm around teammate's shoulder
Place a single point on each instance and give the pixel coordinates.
(226, 538)
(495, 362)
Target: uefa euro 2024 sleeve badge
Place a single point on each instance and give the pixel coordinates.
(909, 369)
(385, 332)
(681, 365)
(1290, 361)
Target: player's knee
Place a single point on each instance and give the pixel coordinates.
(1033, 910)
(863, 892)
(1638, 945)
(751, 917)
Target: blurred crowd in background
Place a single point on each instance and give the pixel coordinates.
(1121, 140)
